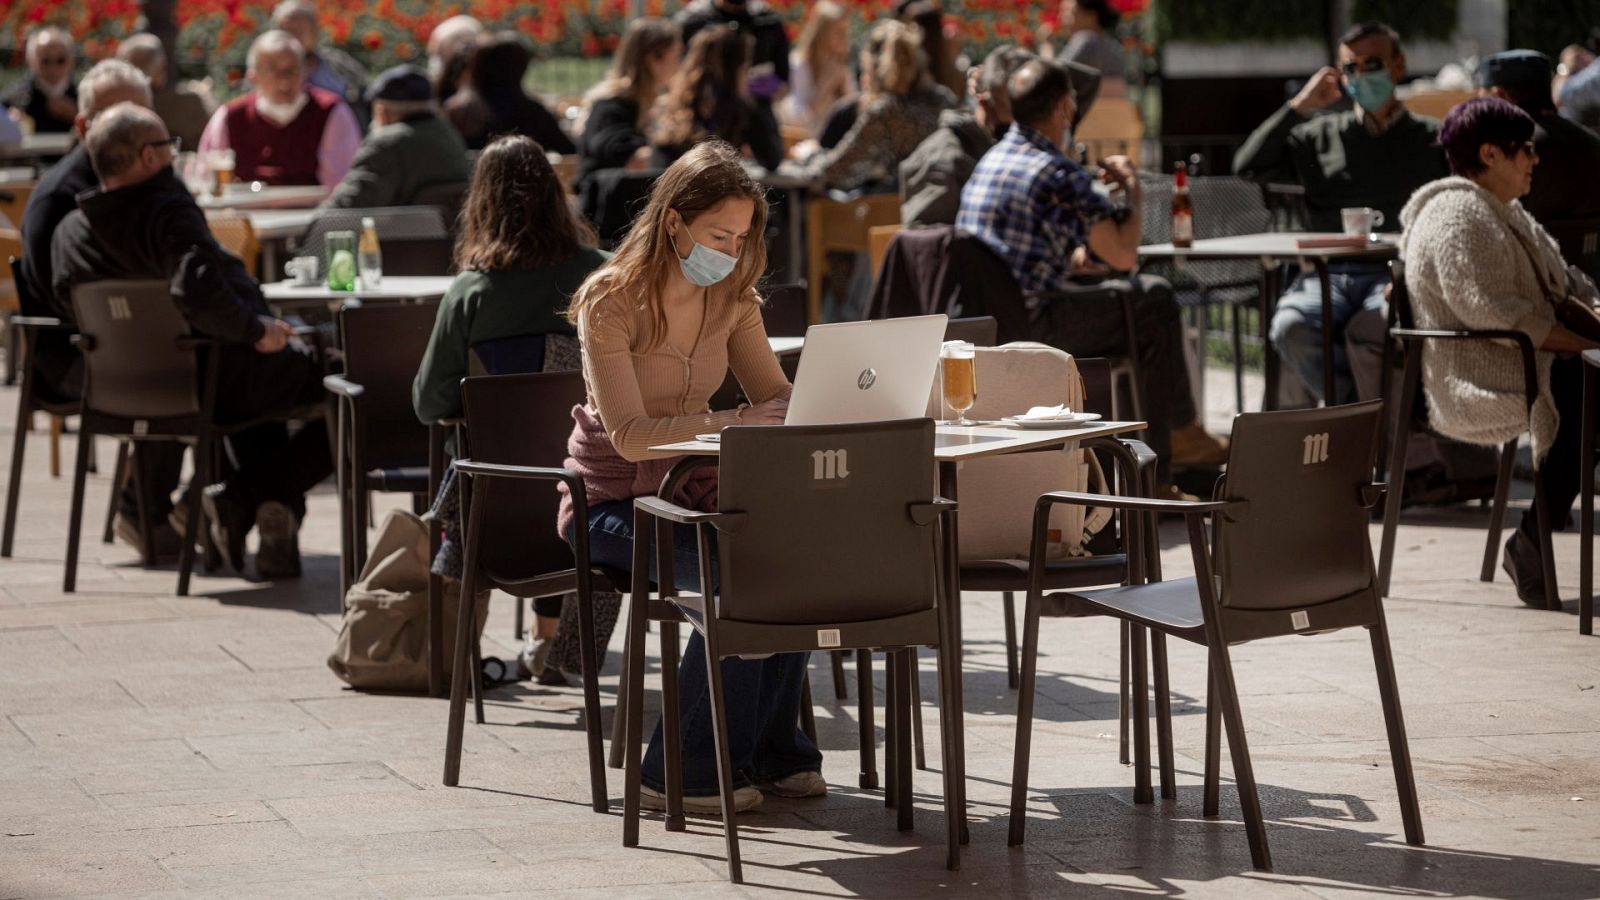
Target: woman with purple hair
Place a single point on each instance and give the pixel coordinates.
(1475, 259)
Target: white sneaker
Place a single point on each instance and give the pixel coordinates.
(744, 800)
(798, 786)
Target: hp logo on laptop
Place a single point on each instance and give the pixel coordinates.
(867, 378)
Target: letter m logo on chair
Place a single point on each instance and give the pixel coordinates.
(1316, 449)
(118, 306)
(830, 465)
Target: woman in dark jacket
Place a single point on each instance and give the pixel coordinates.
(617, 111)
(708, 98)
(492, 103)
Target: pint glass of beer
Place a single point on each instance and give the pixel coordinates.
(960, 378)
(221, 163)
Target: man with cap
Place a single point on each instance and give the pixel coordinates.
(1566, 182)
(409, 151)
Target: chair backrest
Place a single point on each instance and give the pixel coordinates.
(236, 235)
(447, 197)
(383, 346)
(1302, 539)
(134, 366)
(521, 420)
(414, 239)
(980, 331)
(1580, 243)
(849, 490)
(1436, 104)
(1400, 296)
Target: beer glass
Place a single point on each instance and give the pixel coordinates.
(960, 378)
(340, 247)
(221, 163)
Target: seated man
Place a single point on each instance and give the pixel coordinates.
(46, 96)
(1037, 210)
(1374, 155)
(143, 223)
(1564, 182)
(185, 111)
(409, 150)
(327, 67)
(285, 131)
(58, 367)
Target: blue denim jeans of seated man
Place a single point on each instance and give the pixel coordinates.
(1296, 333)
(761, 696)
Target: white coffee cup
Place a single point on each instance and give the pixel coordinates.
(302, 270)
(1361, 220)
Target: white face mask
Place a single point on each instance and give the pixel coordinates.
(59, 89)
(281, 114)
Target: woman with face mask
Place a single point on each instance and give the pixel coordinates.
(661, 324)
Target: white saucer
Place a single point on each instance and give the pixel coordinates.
(1070, 421)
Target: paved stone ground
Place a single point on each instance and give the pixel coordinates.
(155, 746)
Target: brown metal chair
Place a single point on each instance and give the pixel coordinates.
(1289, 554)
(882, 590)
(519, 426)
(1410, 386)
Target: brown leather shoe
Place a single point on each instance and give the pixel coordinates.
(1194, 446)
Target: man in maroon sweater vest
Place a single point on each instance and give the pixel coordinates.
(285, 131)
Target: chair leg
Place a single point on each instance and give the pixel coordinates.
(631, 709)
(19, 444)
(1243, 773)
(951, 765)
(477, 661)
(1394, 723)
(56, 427)
(1141, 716)
(808, 715)
(902, 764)
(588, 657)
(460, 677)
(619, 714)
(1024, 739)
(1497, 512)
(1164, 754)
(119, 473)
(1213, 763)
(75, 517)
(191, 500)
(147, 552)
(864, 717)
(841, 691)
(518, 624)
(915, 675)
(1412, 371)
(892, 715)
(1547, 556)
(1591, 395)
(672, 731)
(1008, 603)
(1124, 709)
(719, 726)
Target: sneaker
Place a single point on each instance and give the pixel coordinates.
(1194, 446)
(798, 786)
(279, 553)
(744, 800)
(230, 522)
(167, 541)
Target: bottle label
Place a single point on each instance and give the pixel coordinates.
(1182, 228)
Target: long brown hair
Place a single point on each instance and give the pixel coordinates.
(893, 59)
(697, 183)
(643, 42)
(707, 94)
(516, 214)
(813, 45)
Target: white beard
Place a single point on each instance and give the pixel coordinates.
(59, 89)
(281, 114)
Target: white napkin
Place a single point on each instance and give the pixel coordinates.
(1058, 411)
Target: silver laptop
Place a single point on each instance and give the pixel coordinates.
(867, 371)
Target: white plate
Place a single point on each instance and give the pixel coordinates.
(1072, 421)
(709, 438)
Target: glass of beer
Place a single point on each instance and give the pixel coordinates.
(221, 163)
(960, 378)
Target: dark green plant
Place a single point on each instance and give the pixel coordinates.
(1221, 21)
(1414, 19)
(1549, 25)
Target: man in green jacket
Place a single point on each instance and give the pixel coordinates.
(411, 155)
(1374, 155)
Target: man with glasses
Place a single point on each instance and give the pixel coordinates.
(1565, 185)
(1374, 154)
(142, 222)
(47, 95)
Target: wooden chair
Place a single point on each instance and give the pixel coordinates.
(878, 240)
(14, 199)
(1111, 127)
(237, 236)
(1435, 104)
(843, 226)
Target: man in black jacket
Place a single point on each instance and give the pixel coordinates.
(143, 223)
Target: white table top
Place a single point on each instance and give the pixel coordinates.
(395, 287)
(268, 197)
(275, 224)
(1277, 245)
(39, 145)
(957, 444)
(782, 345)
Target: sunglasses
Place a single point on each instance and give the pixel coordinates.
(1360, 66)
(1526, 147)
(175, 142)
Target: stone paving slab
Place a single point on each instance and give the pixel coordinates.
(153, 746)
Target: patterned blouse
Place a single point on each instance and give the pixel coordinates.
(887, 129)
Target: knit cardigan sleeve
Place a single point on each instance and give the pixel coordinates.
(1476, 262)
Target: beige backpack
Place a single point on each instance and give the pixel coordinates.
(383, 641)
(998, 493)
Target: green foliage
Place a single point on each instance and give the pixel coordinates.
(1549, 25)
(1414, 19)
(1221, 21)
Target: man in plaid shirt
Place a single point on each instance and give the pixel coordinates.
(1038, 211)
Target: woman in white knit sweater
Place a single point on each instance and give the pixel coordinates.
(1476, 259)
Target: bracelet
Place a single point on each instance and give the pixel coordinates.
(738, 413)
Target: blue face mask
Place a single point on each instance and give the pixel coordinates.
(704, 266)
(1371, 90)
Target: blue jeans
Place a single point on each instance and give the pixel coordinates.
(1297, 324)
(761, 697)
